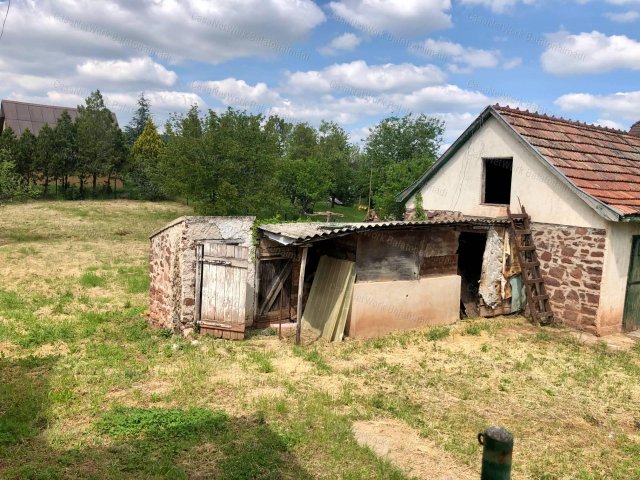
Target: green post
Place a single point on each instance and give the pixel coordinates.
(496, 457)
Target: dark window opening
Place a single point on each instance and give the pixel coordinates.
(470, 252)
(497, 180)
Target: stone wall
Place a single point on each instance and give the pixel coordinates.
(165, 272)
(173, 267)
(571, 261)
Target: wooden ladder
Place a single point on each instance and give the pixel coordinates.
(537, 297)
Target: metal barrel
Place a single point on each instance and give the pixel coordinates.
(496, 457)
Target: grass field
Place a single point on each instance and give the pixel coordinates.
(88, 390)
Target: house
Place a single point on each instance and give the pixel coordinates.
(21, 116)
(581, 185)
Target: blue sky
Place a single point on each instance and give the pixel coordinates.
(350, 61)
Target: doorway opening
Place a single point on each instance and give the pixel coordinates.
(470, 252)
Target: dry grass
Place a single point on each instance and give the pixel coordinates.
(81, 374)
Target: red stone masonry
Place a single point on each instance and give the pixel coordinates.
(571, 261)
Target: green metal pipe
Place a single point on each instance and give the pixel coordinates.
(496, 457)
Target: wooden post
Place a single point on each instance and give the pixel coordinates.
(303, 265)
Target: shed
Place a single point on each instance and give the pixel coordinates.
(355, 279)
(202, 274)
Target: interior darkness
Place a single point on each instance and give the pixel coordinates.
(497, 180)
(470, 251)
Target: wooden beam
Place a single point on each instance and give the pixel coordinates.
(303, 266)
(198, 295)
(275, 288)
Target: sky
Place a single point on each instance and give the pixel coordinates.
(349, 61)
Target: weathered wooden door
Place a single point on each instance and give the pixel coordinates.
(222, 278)
(632, 301)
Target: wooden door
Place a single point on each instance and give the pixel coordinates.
(632, 301)
(223, 287)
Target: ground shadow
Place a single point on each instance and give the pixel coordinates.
(138, 442)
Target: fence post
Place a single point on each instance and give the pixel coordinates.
(496, 456)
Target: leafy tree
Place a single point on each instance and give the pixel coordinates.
(97, 139)
(337, 153)
(12, 187)
(304, 174)
(45, 152)
(25, 155)
(139, 121)
(397, 152)
(9, 142)
(226, 164)
(145, 155)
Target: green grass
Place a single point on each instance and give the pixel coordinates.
(89, 390)
(351, 213)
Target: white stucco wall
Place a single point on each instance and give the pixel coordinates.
(614, 276)
(458, 185)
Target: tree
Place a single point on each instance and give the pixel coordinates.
(45, 152)
(97, 139)
(9, 142)
(304, 174)
(25, 155)
(397, 152)
(144, 157)
(225, 164)
(337, 153)
(66, 151)
(139, 121)
(12, 187)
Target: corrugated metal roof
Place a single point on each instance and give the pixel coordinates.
(299, 233)
(21, 116)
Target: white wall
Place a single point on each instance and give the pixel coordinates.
(614, 276)
(458, 184)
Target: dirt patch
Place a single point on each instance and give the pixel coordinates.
(618, 341)
(402, 446)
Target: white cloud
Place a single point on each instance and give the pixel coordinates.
(440, 98)
(593, 52)
(464, 59)
(238, 93)
(622, 104)
(358, 77)
(134, 70)
(623, 17)
(347, 42)
(394, 16)
(498, 6)
(603, 122)
(512, 63)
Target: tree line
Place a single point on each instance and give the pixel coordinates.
(225, 163)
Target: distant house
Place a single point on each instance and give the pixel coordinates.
(581, 185)
(21, 116)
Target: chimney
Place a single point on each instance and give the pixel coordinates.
(635, 130)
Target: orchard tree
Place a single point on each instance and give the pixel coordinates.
(397, 152)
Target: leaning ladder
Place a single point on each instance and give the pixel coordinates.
(537, 297)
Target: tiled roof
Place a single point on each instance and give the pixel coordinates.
(602, 162)
(298, 233)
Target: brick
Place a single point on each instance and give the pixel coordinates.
(557, 272)
(568, 251)
(597, 254)
(546, 256)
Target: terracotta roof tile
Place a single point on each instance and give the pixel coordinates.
(602, 162)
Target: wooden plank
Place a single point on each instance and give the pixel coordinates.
(276, 288)
(303, 266)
